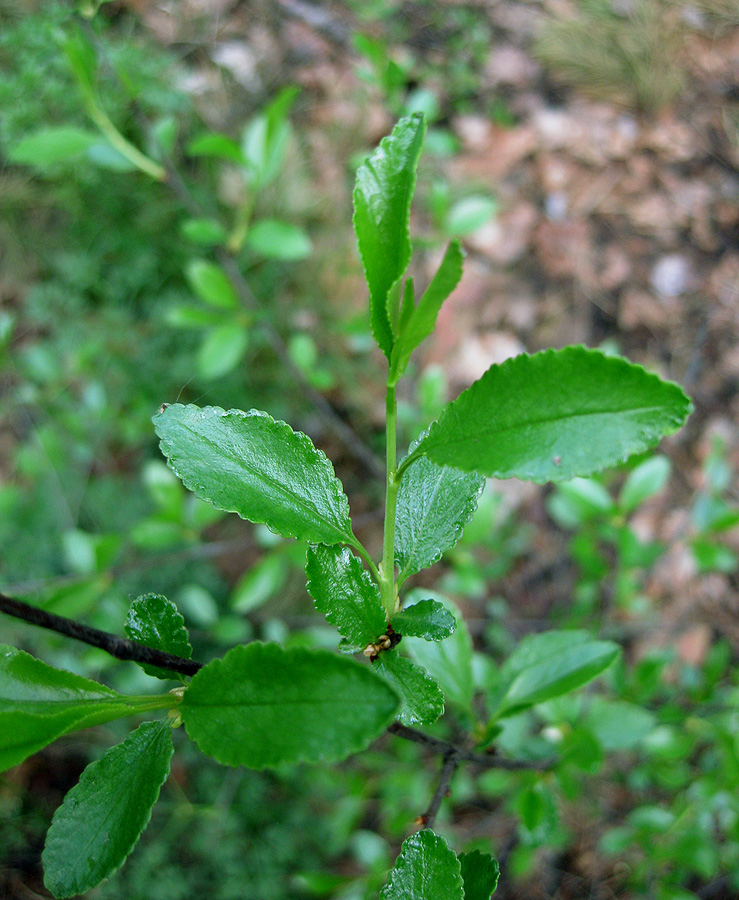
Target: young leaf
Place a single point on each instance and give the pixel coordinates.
(422, 701)
(427, 619)
(449, 662)
(555, 414)
(211, 284)
(547, 665)
(261, 706)
(422, 320)
(250, 464)
(38, 704)
(426, 868)
(434, 505)
(102, 817)
(52, 145)
(480, 873)
(344, 592)
(382, 208)
(155, 621)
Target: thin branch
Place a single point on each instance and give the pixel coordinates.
(120, 648)
(486, 760)
(451, 761)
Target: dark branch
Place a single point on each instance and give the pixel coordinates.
(486, 760)
(451, 761)
(120, 648)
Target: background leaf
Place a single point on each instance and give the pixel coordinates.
(426, 868)
(155, 621)
(38, 704)
(211, 284)
(261, 706)
(53, 145)
(382, 205)
(344, 592)
(279, 240)
(547, 665)
(422, 701)
(248, 463)
(102, 817)
(480, 873)
(555, 414)
(643, 482)
(427, 619)
(434, 505)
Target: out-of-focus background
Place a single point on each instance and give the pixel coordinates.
(587, 154)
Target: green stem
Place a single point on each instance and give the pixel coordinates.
(362, 551)
(387, 567)
(243, 224)
(124, 147)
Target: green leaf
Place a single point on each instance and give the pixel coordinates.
(469, 214)
(263, 580)
(222, 350)
(102, 817)
(480, 873)
(250, 464)
(417, 325)
(207, 232)
(382, 205)
(547, 665)
(52, 145)
(38, 704)
(422, 701)
(427, 619)
(618, 725)
(434, 505)
(426, 869)
(279, 240)
(106, 156)
(344, 592)
(155, 621)
(261, 706)
(265, 139)
(211, 284)
(218, 145)
(449, 661)
(555, 414)
(643, 482)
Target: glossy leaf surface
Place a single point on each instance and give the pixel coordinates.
(344, 592)
(449, 661)
(38, 704)
(554, 415)
(427, 619)
(421, 321)
(261, 706)
(547, 665)
(155, 621)
(248, 463)
(422, 701)
(102, 817)
(434, 505)
(426, 868)
(382, 205)
(480, 873)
